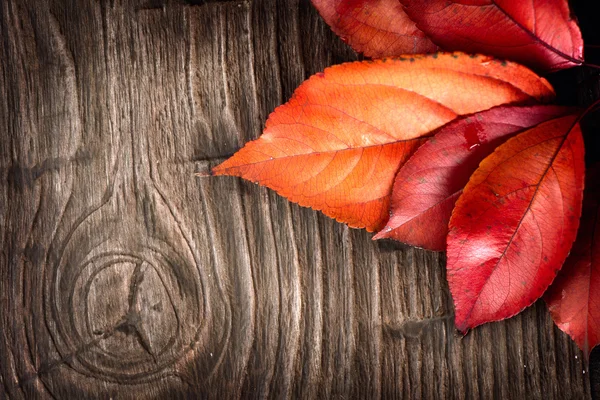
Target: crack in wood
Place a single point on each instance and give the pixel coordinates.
(132, 321)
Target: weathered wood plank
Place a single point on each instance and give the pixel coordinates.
(123, 275)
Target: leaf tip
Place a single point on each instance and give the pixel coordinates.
(382, 234)
(462, 327)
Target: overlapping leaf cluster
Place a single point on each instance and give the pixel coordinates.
(450, 151)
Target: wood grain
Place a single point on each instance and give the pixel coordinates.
(122, 275)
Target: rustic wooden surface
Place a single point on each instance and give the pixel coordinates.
(122, 275)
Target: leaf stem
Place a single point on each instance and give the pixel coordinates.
(586, 64)
(591, 108)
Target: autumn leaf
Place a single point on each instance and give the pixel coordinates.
(514, 224)
(338, 143)
(538, 33)
(377, 28)
(574, 297)
(427, 186)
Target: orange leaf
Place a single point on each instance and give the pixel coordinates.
(338, 143)
(377, 28)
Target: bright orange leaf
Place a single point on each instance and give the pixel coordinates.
(338, 143)
(514, 224)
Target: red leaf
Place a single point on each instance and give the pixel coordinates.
(427, 186)
(515, 222)
(574, 297)
(377, 28)
(538, 33)
(338, 143)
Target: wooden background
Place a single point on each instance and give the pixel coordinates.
(122, 275)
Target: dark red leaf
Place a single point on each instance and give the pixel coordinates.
(538, 33)
(574, 297)
(514, 224)
(427, 186)
(377, 28)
